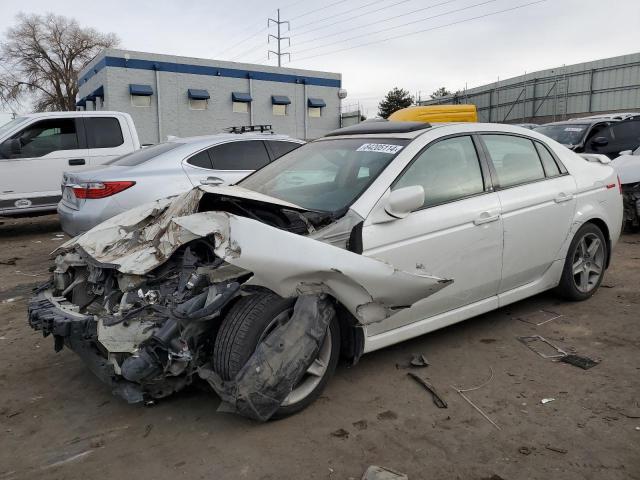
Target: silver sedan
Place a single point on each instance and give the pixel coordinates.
(91, 196)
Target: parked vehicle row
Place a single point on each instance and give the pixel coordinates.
(395, 229)
(36, 149)
(96, 194)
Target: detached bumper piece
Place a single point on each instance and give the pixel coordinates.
(79, 333)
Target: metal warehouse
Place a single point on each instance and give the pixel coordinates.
(182, 96)
(601, 86)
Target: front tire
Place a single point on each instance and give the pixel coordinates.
(248, 322)
(585, 264)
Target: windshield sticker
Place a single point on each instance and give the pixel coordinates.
(573, 129)
(379, 147)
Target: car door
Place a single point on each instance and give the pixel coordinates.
(538, 202)
(456, 235)
(226, 163)
(625, 135)
(35, 158)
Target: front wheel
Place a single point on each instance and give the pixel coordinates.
(584, 265)
(248, 322)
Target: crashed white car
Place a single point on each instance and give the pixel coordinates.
(372, 235)
(627, 165)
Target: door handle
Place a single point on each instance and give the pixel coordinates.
(213, 181)
(563, 197)
(486, 217)
(77, 161)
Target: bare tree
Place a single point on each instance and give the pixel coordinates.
(40, 57)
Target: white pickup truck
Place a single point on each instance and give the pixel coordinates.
(36, 149)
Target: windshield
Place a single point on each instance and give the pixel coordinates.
(327, 175)
(140, 156)
(567, 134)
(11, 125)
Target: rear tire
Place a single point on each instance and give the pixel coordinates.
(585, 264)
(246, 324)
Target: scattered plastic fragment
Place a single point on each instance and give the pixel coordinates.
(556, 449)
(532, 343)
(340, 433)
(583, 362)
(524, 450)
(437, 399)
(546, 400)
(382, 473)
(417, 361)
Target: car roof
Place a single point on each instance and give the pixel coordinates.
(77, 113)
(225, 137)
(575, 121)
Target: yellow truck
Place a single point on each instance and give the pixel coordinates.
(436, 114)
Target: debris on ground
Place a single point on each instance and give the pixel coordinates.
(387, 415)
(11, 300)
(382, 473)
(147, 430)
(536, 343)
(340, 433)
(539, 317)
(360, 424)
(524, 450)
(9, 261)
(462, 392)
(437, 399)
(579, 361)
(417, 361)
(556, 449)
(544, 401)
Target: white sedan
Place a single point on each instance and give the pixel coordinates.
(372, 235)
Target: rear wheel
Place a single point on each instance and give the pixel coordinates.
(584, 265)
(249, 322)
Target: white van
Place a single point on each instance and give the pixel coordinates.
(36, 149)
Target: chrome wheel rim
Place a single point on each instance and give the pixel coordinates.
(588, 263)
(316, 371)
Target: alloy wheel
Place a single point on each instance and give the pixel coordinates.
(588, 262)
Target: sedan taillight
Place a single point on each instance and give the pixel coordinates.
(100, 189)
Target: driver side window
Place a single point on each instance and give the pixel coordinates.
(42, 138)
(448, 170)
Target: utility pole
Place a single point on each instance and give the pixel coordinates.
(278, 38)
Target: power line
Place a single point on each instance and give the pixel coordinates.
(343, 13)
(318, 9)
(398, 16)
(423, 30)
(236, 44)
(368, 34)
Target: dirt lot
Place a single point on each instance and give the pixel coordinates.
(58, 421)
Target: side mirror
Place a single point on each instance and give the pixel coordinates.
(600, 142)
(10, 148)
(403, 201)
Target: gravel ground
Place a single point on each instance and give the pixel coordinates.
(58, 421)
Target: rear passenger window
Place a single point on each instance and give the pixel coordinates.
(548, 162)
(279, 148)
(515, 159)
(103, 132)
(448, 170)
(201, 160)
(243, 155)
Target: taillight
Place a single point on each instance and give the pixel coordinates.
(100, 189)
(619, 185)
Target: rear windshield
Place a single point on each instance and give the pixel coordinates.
(567, 134)
(140, 156)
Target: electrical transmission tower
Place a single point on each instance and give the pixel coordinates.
(279, 39)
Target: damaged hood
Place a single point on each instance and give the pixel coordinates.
(141, 239)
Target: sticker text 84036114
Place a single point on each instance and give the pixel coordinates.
(379, 147)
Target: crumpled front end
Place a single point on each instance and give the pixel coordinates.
(141, 297)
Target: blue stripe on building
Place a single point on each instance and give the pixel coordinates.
(206, 70)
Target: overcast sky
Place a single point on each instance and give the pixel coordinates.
(447, 50)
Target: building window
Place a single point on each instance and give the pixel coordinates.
(198, 99)
(279, 110)
(140, 95)
(241, 102)
(280, 103)
(315, 106)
